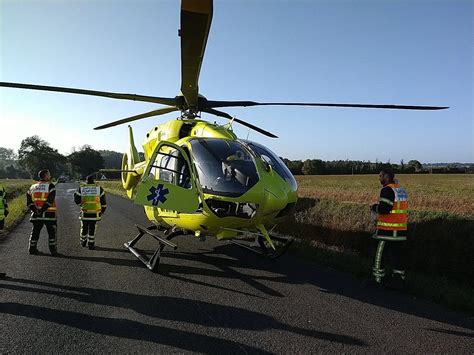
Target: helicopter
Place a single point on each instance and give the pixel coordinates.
(198, 177)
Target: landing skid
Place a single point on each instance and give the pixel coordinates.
(152, 262)
(259, 247)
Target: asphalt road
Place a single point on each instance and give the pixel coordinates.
(209, 297)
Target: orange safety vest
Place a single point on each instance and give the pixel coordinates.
(397, 219)
(39, 195)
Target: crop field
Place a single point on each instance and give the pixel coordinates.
(16, 190)
(452, 194)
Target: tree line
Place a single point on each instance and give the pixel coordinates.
(36, 154)
(347, 167)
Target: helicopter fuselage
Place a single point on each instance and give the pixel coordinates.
(225, 186)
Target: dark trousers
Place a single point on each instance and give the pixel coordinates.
(35, 233)
(392, 253)
(88, 229)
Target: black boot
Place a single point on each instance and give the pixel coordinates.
(53, 250)
(91, 246)
(33, 250)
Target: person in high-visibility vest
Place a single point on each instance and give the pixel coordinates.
(3, 214)
(41, 200)
(91, 198)
(392, 223)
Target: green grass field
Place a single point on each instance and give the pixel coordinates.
(16, 190)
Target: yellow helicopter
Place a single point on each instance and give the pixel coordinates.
(198, 177)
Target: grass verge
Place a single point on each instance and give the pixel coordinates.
(16, 190)
(114, 187)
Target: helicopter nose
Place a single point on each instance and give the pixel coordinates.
(275, 200)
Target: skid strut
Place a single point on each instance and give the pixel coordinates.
(152, 262)
(262, 249)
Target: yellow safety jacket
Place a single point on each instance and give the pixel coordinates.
(90, 203)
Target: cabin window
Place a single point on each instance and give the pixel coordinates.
(170, 166)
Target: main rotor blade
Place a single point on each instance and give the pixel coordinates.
(246, 124)
(160, 111)
(253, 103)
(196, 17)
(112, 95)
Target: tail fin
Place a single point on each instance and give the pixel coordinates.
(129, 160)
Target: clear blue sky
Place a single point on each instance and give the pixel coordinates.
(394, 52)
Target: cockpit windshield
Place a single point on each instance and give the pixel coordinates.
(224, 167)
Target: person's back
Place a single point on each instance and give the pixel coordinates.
(91, 199)
(41, 200)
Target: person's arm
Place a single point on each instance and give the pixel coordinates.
(77, 196)
(51, 197)
(103, 201)
(29, 202)
(387, 197)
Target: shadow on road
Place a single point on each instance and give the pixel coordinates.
(230, 262)
(229, 258)
(125, 328)
(169, 308)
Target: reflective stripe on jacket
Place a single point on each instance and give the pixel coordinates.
(397, 219)
(90, 202)
(39, 193)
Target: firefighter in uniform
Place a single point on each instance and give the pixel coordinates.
(91, 198)
(392, 218)
(41, 200)
(3, 214)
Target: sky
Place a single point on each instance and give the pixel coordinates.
(384, 52)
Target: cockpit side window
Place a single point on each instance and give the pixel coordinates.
(170, 166)
(271, 158)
